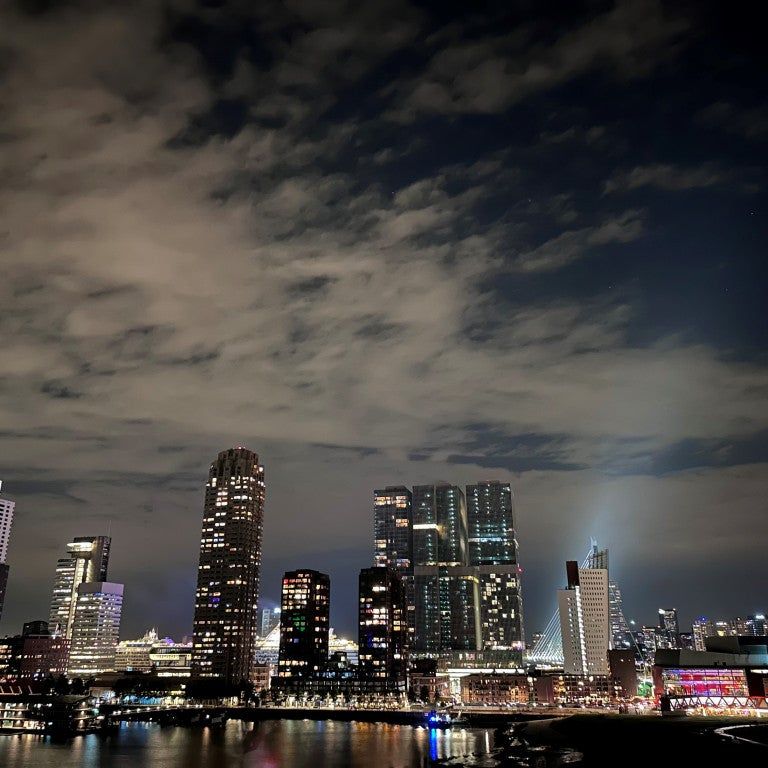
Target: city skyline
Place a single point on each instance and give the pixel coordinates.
(88, 556)
(386, 244)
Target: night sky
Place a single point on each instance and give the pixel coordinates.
(386, 243)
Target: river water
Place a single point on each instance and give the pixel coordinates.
(271, 744)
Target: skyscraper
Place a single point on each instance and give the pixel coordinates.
(87, 560)
(669, 629)
(493, 550)
(382, 629)
(393, 540)
(446, 588)
(585, 620)
(392, 532)
(304, 624)
(270, 618)
(95, 628)
(701, 629)
(620, 635)
(226, 621)
(6, 520)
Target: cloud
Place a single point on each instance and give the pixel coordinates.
(574, 244)
(751, 122)
(204, 244)
(668, 177)
(490, 74)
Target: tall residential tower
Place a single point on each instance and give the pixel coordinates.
(304, 625)
(226, 622)
(393, 540)
(493, 550)
(382, 630)
(446, 588)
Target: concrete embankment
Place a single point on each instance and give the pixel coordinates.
(394, 716)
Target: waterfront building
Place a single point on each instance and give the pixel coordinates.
(499, 690)
(730, 673)
(493, 551)
(95, 628)
(585, 620)
(87, 560)
(304, 626)
(393, 540)
(23, 710)
(226, 623)
(35, 654)
(382, 630)
(591, 690)
(270, 618)
(6, 520)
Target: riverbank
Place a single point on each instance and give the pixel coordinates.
(610, 741)
(390, 716)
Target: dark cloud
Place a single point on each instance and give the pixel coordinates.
(373, 243)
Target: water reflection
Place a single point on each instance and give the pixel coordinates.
(271, 744)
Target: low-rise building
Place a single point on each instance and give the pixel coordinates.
(731, 673)
(34, 654)
(498, 690)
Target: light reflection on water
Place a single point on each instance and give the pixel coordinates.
(271, 744)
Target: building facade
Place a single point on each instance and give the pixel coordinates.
(702, 628)
(585, 620)
(446, 588)
(7, 508)
(170, 659)
(226, 620)
(270, 618)
(392, 528)
(304, 626)
(382, 630)
(668, 633)
(95, 629)
(33, 655)
(393, 541)
(87, 560)
(493, 551)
